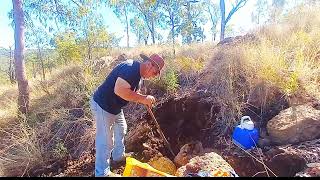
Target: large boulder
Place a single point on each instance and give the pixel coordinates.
(210, 163)
(312, 170)
(294, 125)
(187, 152)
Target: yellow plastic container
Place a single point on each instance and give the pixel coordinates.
(135, 168)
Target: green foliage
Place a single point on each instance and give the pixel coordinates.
(192, 21)
(169, 80)
(171, 16)
(148, 11)
(214, 14)
(60, 151)
(97, 41)
(67, 48)
(139, 29)
(190, 65)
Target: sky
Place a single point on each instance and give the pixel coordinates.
(6, 31)
(241, 21)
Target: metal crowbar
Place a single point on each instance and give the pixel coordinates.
(167, 144)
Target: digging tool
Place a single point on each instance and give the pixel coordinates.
(160, 132)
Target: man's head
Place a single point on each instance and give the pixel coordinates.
(152, 66)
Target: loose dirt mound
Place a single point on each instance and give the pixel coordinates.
(182, 120)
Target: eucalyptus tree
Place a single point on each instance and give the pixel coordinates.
(260, 10)
(171, 12)
(139, 28)
(193, 18)
(54, 15)
(19, 37)
(148, 10)
(213, 11)
(38, 38)
(236, 5)
(122, 9)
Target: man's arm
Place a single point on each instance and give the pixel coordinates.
(122, 89)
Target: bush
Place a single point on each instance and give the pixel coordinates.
(190, 65)
(169, 81)
(60, 151)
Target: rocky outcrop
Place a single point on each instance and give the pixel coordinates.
(187, 152)
(312, 170)
(211, 164)
(294, 125)
(284, 162)
(248, 38)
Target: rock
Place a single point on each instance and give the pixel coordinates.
(312, 170)
(285, 162)
(150, 153)
(264, 142)
(294, 125)
(187, 152)
(208, 162)
(309, 150)
(163, 164)
(248, 38)
(316, 105)
(263, 133)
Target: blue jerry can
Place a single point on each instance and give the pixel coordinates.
(245, 135)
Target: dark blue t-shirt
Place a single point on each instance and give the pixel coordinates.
(105, 97)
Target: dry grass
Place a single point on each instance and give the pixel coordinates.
(59, 119)
(286, 57)
(20, 149)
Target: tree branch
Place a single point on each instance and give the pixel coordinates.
(239, 5)
(76, 3)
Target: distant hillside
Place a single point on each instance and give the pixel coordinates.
(4, 52)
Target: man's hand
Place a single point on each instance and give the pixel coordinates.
(149, 100)
(122, 89)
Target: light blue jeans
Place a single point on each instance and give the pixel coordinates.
(110, 131)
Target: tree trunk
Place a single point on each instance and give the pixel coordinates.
(89, 53)
(34, 70)
(202, 35)
(153, 32)
(127, 24)
(42, 63)
(11, 67)
(172, 33)
(223, 19)
(23, 86)
(189, 21)
(139, 38)
(43, 70)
